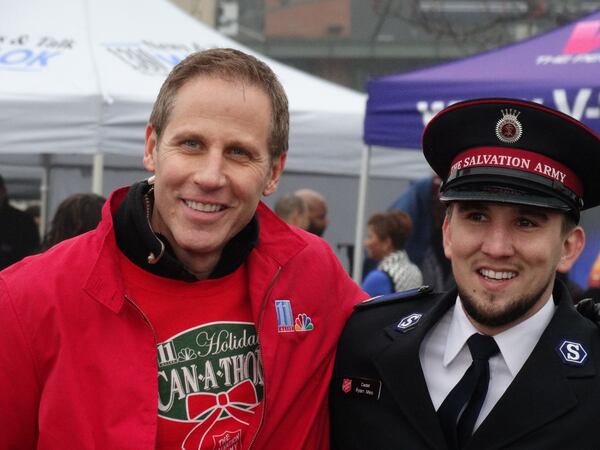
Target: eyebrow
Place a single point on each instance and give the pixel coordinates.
(540, 213)
(187, 132)
(524, 210)
(470, 206)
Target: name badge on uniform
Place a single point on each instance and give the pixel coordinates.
(366, 388)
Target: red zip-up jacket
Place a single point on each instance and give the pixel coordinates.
(78, 362)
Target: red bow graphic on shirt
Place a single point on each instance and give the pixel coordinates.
(238, 402)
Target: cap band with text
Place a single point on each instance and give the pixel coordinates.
(511, 158)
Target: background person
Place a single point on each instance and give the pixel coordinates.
(158, 311)
(317, 210)
(291, 209)
(504, 361)
(75, 215)
(421, 201)
(19, 234)
(387, 233)
(34, 211)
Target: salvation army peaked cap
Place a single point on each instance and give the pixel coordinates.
(514, 151)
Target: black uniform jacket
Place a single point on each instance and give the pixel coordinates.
(379, 397)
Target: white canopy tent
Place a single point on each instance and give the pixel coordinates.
(80, 76)
(78, 79)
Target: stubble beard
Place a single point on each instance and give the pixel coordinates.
(514, 310)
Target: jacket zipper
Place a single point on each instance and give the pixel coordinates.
(260, 316)
(145, 317)
(134, 304)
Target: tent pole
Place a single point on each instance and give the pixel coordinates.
(360, 215)
(97, 173)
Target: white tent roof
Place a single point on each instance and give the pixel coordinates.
(80, 76)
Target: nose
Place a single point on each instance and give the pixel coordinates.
(497, 242)
(210, 171)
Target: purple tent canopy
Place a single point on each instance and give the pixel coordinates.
(560, 69)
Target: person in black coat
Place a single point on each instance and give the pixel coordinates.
(505, 360)
(19, 234)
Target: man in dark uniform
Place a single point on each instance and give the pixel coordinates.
(19, 235)
(504, 361)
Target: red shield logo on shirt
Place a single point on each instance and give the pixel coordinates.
(229, 440)
(346, 385)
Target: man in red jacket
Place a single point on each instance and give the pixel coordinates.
(192, 317)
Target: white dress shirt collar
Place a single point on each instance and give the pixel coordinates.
(516, 343)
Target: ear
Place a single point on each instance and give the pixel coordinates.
(275, 175)
(150, 148)
(572, 247)
(294, 218)
(389, 246)
(447, 237)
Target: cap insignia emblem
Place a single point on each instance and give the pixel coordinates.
(508, 128)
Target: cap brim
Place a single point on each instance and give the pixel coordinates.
(500, 194)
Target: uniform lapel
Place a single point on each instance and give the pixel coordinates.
(400, 370)
(541, 392)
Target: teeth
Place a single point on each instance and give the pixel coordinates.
(204, 207)
(497, 275)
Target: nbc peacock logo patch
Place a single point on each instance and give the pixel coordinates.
(303, 323)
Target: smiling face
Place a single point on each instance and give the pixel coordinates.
(504, 259)
(211, 166)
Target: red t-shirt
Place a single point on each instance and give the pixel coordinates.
(210, 375)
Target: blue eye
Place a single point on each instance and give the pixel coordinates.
(239, 152)
(191, 143)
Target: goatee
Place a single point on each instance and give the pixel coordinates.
(513, 310)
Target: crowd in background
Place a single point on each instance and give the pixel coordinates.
(20, 232)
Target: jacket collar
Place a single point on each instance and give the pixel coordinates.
(104, 281)
(277, 238)
(401, 357)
